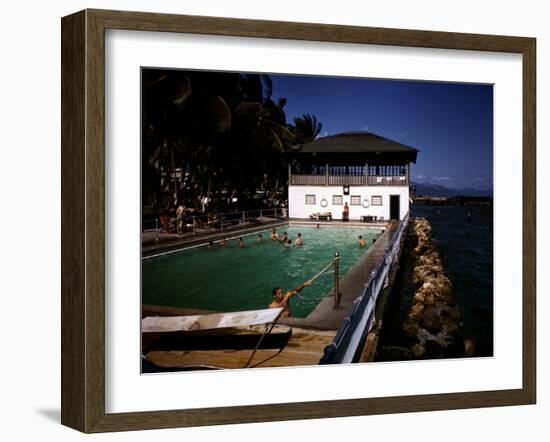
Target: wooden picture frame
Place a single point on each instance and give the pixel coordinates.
(83, 220)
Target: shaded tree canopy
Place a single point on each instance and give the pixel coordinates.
(306, 128)
(211, 137)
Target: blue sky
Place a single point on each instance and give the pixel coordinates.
(450, 123)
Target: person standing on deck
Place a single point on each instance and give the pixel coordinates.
(180, 212)
(345, 214)
(280, 300)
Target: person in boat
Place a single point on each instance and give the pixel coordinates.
(241, 243)
(260, 238)
(283, 300)
(274, 235)
(284, 239)
(223, 242)
(298, 241)
(362, 242)
(210, 245)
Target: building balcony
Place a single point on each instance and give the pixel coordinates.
(392, 180)
(348, 180)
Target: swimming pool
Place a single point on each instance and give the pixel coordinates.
(232, 279)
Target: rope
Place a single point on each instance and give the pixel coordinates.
(270, 327)
(322, 271)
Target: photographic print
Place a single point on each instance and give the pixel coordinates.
(296, 220)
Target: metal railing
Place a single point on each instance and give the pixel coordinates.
(361, 317)
(208, 223)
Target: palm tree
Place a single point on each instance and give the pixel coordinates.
(306, 129)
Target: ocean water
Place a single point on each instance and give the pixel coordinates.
(234, 279)
(466, 249)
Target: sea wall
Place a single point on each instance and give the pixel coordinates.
(433, 320)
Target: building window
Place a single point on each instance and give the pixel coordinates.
(337, 200)
(355, 200)
(376, 200)
(310, 199)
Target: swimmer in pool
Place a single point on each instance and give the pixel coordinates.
(298, 241)
(210, 245)
(241, 243)
(260, 238)
(274, 235)
(362, 242)
(283, 300)
(223, 242)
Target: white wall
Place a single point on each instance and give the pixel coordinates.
(299, 209)
(30, 221)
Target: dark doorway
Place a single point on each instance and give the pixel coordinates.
(394, 207)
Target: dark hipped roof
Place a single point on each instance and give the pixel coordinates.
(355, 142)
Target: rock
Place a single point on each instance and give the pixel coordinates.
(421, 274)
(418, 350)
(423, 335)
(428, 286)
(449, 327)
(416, 311)
(431, 319)
(429, 299)
(410, 327)
(419, 297)
(443, 341)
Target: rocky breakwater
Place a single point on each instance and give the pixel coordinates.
(433, 321)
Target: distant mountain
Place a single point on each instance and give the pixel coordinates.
(437, 190)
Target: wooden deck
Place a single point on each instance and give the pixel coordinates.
(305, 347)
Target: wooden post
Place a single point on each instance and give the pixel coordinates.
(336, 263)
(157, 230)
(289, 175)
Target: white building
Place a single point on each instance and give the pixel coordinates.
(368, 172)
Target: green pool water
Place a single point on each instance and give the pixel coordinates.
(233, 279)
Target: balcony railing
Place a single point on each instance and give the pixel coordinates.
(309, 180)
(348, 180)
(376, 180)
